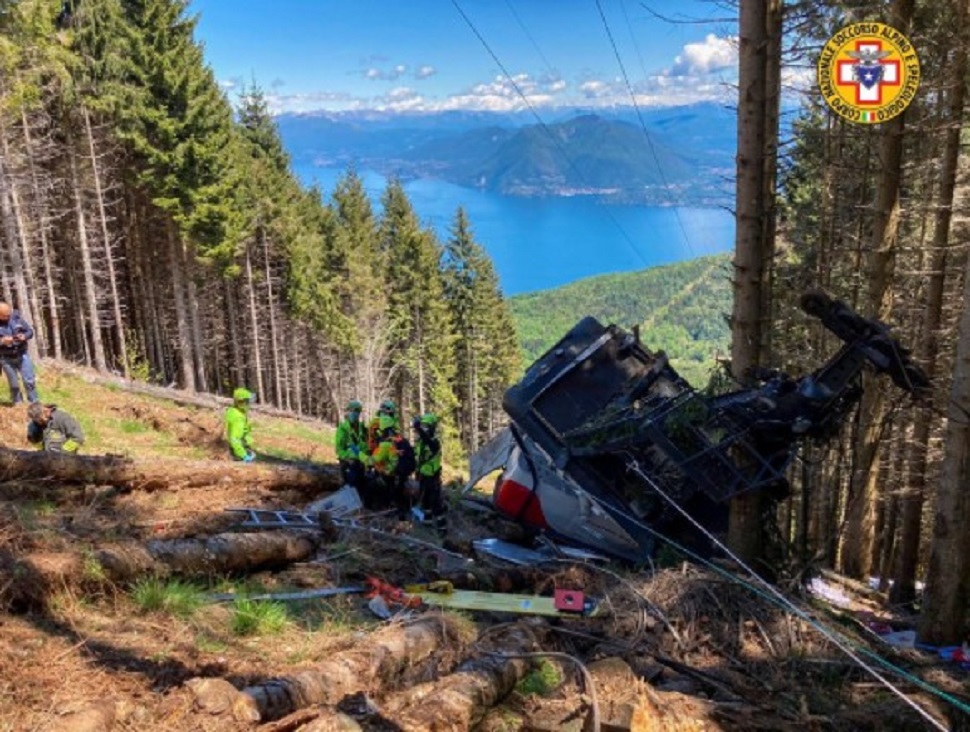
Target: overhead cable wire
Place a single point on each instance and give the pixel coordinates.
(545, 128)
(528, 35)
(643, 126)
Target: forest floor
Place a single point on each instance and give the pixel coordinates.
(678, 648)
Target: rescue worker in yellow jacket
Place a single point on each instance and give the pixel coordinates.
(350, 443)
(238, 432)
(427, 450)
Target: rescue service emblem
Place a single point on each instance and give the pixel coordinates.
(868, 72)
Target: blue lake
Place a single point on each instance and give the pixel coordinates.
(540, 243)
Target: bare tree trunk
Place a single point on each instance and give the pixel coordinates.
(904, 579)
(87, 269)
(254, 326)
(192, 306)
(947, 591)
(108, 255)
(232, 315)
(759, 24)
(14, 233)
(183, 337)
(857, 552)
(42, 231)
(21, 259)
(273, 325)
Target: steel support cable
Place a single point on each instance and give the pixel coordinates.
(643, 126)
(545, 128)
(774, 596)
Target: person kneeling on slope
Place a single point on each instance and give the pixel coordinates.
(53, 429)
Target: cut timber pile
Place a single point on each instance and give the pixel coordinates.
(160, 473)
(461, 700)
(385, 655)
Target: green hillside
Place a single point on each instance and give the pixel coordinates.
(681, 309)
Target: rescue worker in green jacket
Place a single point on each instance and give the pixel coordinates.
(427, 450)
(350, 443)
(238, 431)
(53, 429)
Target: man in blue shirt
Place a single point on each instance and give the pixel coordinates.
(16, 363)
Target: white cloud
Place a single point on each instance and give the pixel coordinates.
(401, 93)
(714, 53)
(423, 72)
(594, 88)
(376, 74)
(312, 102)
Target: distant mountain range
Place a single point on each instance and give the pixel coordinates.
(675, 156)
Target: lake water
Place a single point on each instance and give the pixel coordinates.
(540, 243)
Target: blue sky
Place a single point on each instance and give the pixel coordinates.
(422, 55)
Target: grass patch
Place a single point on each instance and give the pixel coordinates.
(542, 680)
(30, 513)
(210, 644)
(253, 617)
(133, 427)
(174, 597)
(93, 571)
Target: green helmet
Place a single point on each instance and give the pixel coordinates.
(354, 406)
(242, 394)
(387, 407)
(429, 420)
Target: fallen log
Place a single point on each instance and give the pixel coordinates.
(389, 652)
(176, 396)
(211, 555)
(28, 581)
(461, 700)
(157, 473)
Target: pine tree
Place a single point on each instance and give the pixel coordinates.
(486, 350)
(422, 358)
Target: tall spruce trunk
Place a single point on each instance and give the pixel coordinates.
(857, 555)
(254, 326)
(54, 332)
(904, 579)
(192, 306)
(106, 239)
(759, 26)
(14, 233)
(232, 323)
(21, 259)
(183, 337)
(87, 268)
(273, 324)
(947, 592)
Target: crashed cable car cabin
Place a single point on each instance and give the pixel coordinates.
(605, 437)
